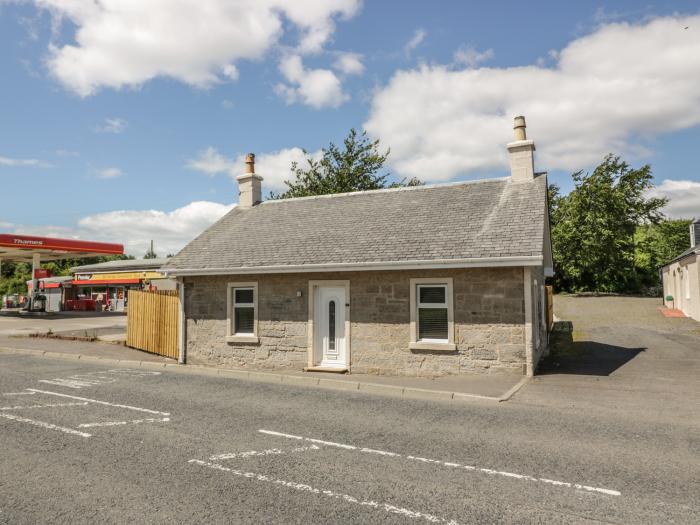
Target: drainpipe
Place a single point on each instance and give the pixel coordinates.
(182, 331)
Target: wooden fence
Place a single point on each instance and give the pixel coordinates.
(550, 308)
(153, 322)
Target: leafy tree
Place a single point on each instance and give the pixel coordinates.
(593, 227)
(356, 166)
(656, 245)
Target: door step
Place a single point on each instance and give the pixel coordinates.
(329, 369)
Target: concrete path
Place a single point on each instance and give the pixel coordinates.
(64, 322)
(626, 360)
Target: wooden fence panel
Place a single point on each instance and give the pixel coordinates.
(550, 307)
(152, 322)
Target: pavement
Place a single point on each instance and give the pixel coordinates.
(69, 323)
(89, 443)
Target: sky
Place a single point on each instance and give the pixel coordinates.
(126, 121)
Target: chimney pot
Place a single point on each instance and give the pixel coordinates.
(519, 127)
(521, 153)
(249, 184)
(250, 163)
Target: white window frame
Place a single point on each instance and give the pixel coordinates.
(432, 344)
(232, 337)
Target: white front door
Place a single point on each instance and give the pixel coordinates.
(329, 327)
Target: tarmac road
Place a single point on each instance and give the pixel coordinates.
(143, 446)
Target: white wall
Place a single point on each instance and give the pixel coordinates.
(679, 278)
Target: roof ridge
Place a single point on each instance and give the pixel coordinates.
(388, 190)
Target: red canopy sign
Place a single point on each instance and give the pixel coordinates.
(11, 244)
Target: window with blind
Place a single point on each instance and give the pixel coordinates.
(432, 316)
(242, 312)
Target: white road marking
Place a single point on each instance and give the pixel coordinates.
(254, 453)
(128, 407)
(50, 405)
(118, 423)
(79, 381)
(328, 493)
(133, 372)
(609, 492)
(19, 393)
(72, 382)
(43, 424)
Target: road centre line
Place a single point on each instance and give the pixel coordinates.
(257, 453)
(107, 403)
(328, 493)
(50, 405)
(609, 492)
(43, 424)
(118, 423)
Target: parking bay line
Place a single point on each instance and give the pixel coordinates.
(609, 492)
(107, 403)
(50, 405)
(119, 423)
(328, 493)
(44, 424)
(258, 453)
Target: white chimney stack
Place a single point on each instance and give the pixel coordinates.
(521, 153)
(249, 184)
(695, 233)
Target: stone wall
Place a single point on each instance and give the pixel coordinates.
(488, 318)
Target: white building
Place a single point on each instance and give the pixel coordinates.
(681, 277)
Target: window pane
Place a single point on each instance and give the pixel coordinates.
(432, 323)
(244, 295)
(245, 318)
(432, 294)
(331, 325)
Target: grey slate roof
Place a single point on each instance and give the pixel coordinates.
(688, 252)
(131, 265)
(492, 218)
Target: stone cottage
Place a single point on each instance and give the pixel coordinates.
(423, 281)
(681, 277)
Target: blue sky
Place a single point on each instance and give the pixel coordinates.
(126, 121)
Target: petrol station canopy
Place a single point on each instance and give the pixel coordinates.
(23, 248)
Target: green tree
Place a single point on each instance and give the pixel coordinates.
(356, 166)
(593, 227)
(656, 245)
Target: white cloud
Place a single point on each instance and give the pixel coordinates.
(112, 125)
(125, 43)
(67, 153)
(211, 162)
(109, 173)
(318, 88)
(349, 64)
(170, 230)
(416, 40)
(471, 57)
(683, 198)
(607, 92)
(275, 167)
(18, 163)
